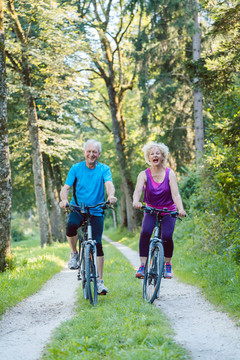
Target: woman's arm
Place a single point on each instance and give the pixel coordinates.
(141, 181)
(175, 193)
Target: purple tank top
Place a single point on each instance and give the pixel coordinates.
(158, 195)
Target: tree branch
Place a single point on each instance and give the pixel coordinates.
(16, 65)
(98, 119)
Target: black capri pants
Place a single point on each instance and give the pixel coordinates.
(75, 220)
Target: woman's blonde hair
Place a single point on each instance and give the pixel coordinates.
(148, 147)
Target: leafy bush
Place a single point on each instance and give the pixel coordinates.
(17, 232)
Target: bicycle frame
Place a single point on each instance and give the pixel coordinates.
(155, 261)
(87, 271)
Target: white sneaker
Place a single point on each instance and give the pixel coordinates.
(73, 262)
(101, 288)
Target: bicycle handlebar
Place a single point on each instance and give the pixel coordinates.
(152, 210)
(84, 207)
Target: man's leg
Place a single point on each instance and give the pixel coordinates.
(74, 221)
(100, 263)
(97, 227)
(72, 240)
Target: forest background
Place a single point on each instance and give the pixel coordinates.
(124, 73)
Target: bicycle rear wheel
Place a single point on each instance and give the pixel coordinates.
(91, 275)
(153, 273)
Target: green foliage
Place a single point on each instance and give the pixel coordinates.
(194, 262)
(22, 227)
(120, 326)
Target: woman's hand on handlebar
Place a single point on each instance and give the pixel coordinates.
(182, 213)
(137, 204)
(64, 203)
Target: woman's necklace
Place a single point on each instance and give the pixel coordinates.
(159, 176)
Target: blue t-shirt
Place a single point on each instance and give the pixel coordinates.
(90, 184)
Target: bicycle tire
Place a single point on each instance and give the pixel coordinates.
(91, 275)
(80, 257)
(83, 275)
(153, 273)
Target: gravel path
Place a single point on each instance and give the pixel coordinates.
(25, 329)
(205, 332)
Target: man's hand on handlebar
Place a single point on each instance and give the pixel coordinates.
(112, 200)
(63, 203)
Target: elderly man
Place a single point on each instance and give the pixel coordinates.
(89, 178)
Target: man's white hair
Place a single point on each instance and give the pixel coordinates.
(93, 142)
(149, 146)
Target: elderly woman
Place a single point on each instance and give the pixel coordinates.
(160, 188)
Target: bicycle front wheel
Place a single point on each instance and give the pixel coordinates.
(83, 273)
(91, 275)
(153, 273)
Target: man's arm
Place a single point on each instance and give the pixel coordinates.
(110, 192)
(64, 196)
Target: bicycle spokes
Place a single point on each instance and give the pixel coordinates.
(153, 273)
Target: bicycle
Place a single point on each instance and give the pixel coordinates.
(87, 271)
(154, 269)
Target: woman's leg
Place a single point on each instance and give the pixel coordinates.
(168, 224)
(144, 241)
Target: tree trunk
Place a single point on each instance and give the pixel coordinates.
(115, 225)
(123, 212)
(37, 162)
(58, 182)
(198, 102)
(119, 137)
(5, 172)
(55, 211)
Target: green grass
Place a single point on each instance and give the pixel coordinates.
(121, 326)
(217, 276)
(124, 237)
(30, 268)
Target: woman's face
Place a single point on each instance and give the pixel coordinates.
(155, 156)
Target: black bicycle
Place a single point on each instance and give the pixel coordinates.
(87, 271)
(154, 269)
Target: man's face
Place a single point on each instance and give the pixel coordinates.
(91, 155)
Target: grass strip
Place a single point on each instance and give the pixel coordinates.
(121, 326)
(30, 268)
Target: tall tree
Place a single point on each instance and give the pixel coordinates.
(198, 98)
(107, 27)
(162, 49)
(22, 65)
(5, 174)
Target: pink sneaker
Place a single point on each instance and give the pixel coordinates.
(168, 274)
(140, 273)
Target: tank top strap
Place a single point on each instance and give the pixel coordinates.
(167, 174)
